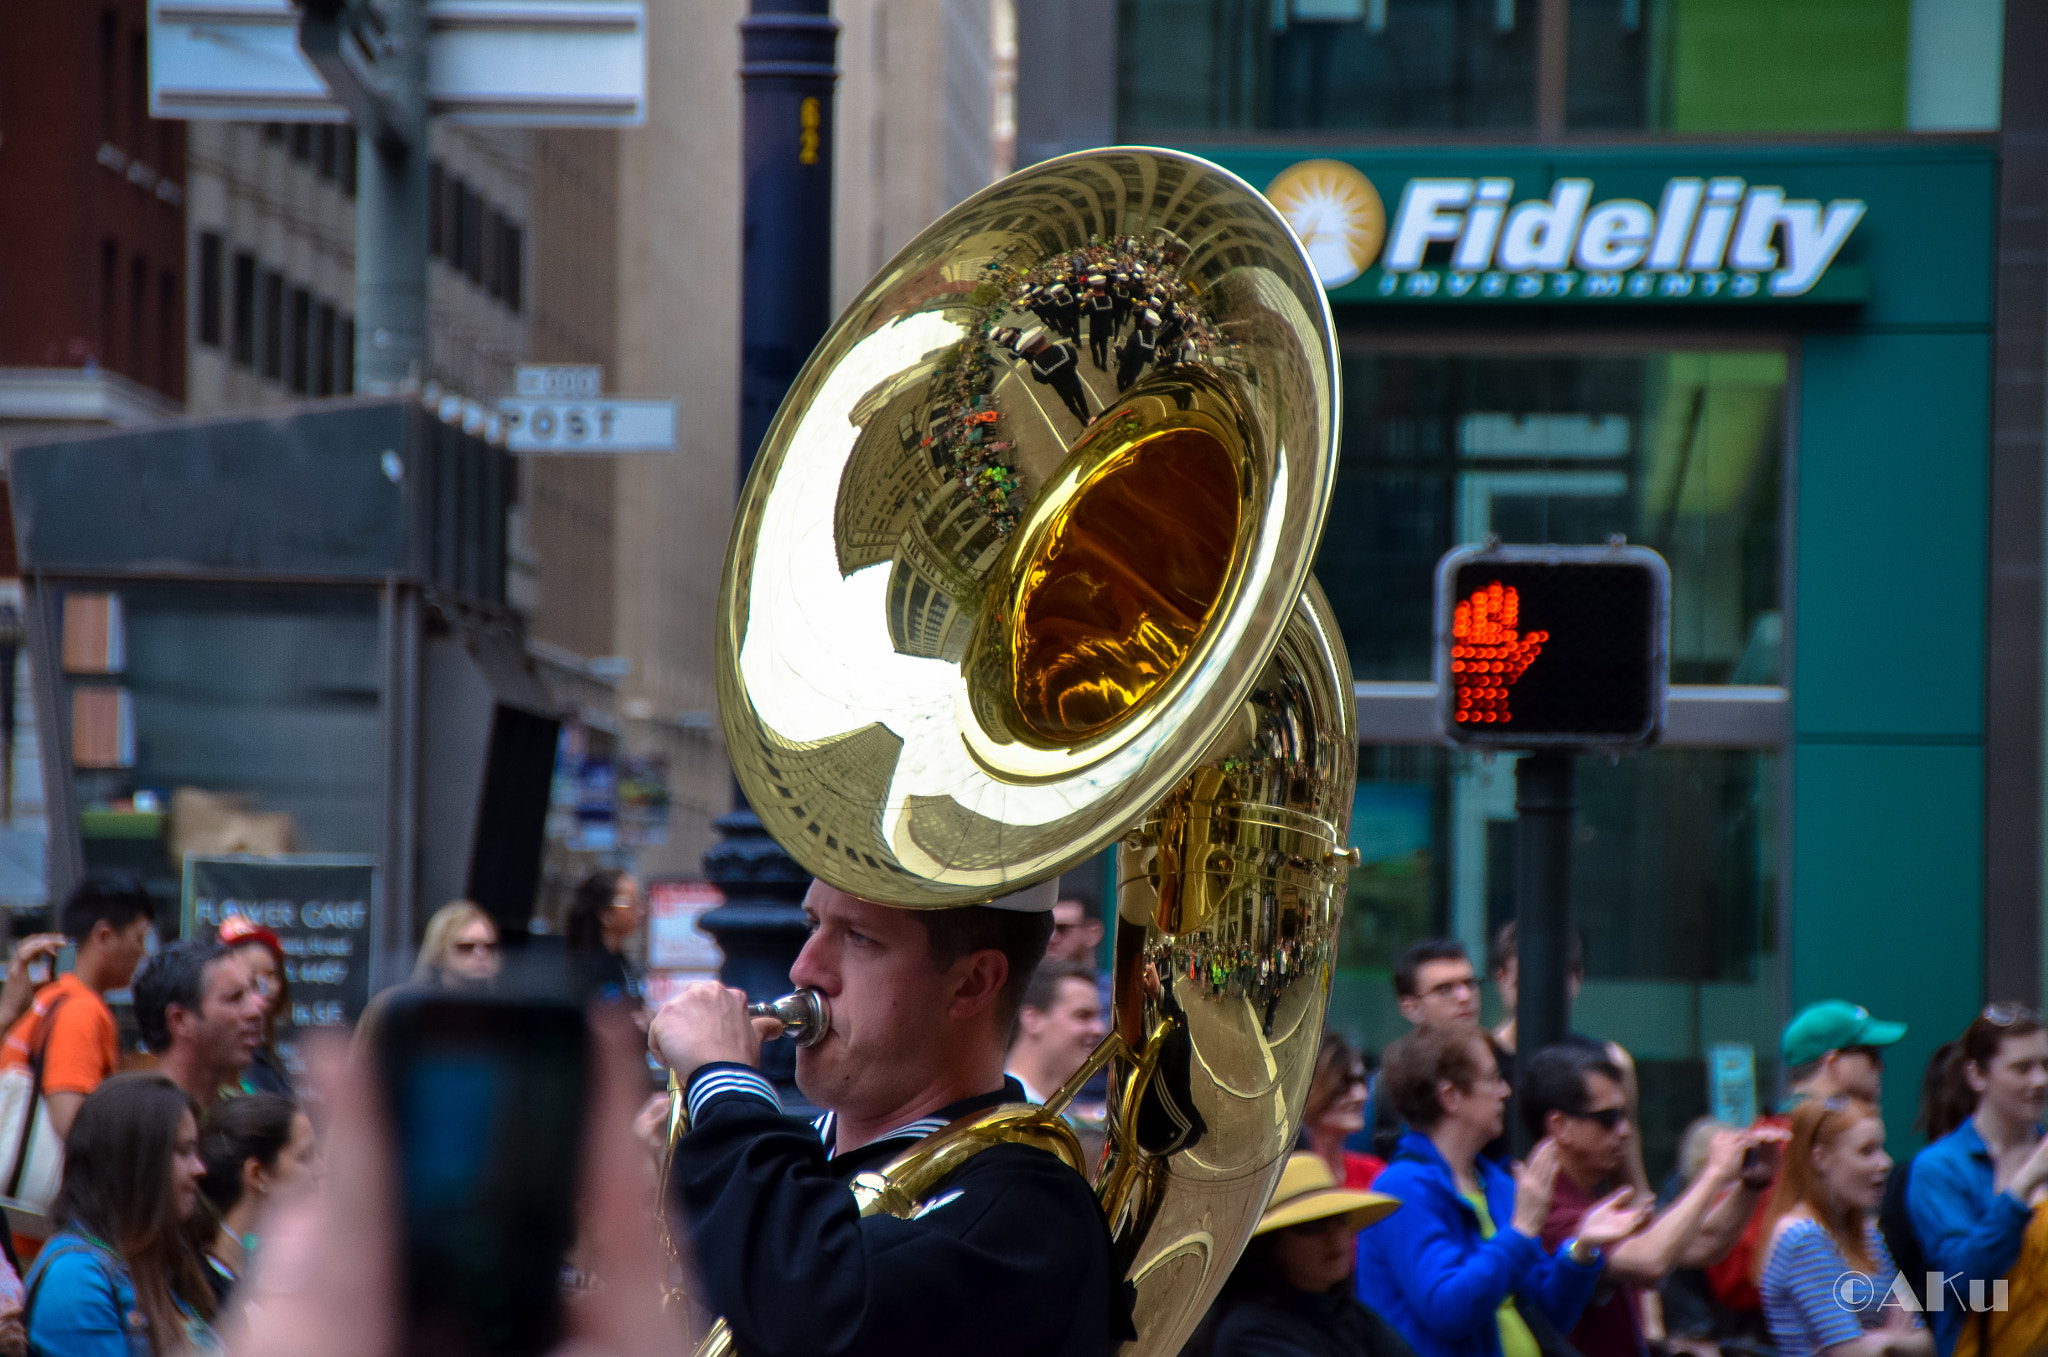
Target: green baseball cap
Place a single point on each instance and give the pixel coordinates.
(1832, 1025)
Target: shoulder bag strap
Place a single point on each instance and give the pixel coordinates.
(35, 1095)
(50, 1255)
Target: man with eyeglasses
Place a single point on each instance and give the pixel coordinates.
(1832, 1049)
(1434, 986)
(1573, 1096)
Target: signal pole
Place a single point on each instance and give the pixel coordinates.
(374, 61)
(1543, 897)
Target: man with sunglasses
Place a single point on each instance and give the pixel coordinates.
(1573, 1096)
(1832, 1049)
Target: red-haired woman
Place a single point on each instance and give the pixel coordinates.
(1826, 1278)
(260, 949)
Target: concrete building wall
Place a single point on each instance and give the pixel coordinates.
(678, 303)
(568, 505)
(917, 124)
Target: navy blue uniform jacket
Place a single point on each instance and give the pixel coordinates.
(1009, 1255)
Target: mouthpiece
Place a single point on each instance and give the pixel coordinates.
(805, 1019)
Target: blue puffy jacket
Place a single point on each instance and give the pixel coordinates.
(1427, 1271)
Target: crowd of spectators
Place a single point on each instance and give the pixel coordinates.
(1796, 1236)
(1404, 1225)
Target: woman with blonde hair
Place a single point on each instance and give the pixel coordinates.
(460, 949)
(1827, 1280)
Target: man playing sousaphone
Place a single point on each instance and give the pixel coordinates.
(1008, 1254)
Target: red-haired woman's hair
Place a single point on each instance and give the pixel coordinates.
(1817, 1123)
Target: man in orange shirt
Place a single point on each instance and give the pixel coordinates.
(109, 918)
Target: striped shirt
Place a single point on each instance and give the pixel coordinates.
(1813, 1298)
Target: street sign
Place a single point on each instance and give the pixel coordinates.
(570, 381)
(1552, 646)
(524, 63)
(557, 426)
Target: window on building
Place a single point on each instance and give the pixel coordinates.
(209, 288)
(242, 311)
(323, 349)
(110, 285)
(323, 150)
(298, 342)
(345, 356)
(1679, 451)
(267, 694)
(1680, 66)
(137, 365)
(273, 325)
(138, 93)
(473, 234)
(300, 139)
(493, 252)
(170, 331)
(110, 74)
(512, 263)
(437, 214)
(345, 152)
(274, 132)
(1365, 64)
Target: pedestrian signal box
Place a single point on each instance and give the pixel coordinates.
(1545, 646)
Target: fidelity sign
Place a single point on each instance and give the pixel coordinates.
(1706, 239)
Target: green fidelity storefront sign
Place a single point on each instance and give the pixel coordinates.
(1736, 226)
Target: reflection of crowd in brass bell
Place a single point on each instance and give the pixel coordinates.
(1130, 299)
(1137, 314)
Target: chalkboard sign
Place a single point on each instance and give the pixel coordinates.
(320, 907)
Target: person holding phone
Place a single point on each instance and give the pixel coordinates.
(32, 964)
(921, 1002)
(69, 1028)
(121, 1277)
(109, 919)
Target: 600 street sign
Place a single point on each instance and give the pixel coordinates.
(597, 426)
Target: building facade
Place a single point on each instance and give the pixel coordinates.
(92, 282)
(1757, 286)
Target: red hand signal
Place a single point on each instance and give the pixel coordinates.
(1486, 653)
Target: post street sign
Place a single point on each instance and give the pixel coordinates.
(556, 426)
(524, 63)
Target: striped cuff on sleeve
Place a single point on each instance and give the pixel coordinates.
(715, 1081)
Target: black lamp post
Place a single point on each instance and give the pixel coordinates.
(787, 72)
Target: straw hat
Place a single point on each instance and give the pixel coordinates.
(1306, 1192)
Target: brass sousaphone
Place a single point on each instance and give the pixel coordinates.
(1022, 572)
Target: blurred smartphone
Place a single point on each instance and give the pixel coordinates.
(44, 969)
(486, 1098)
